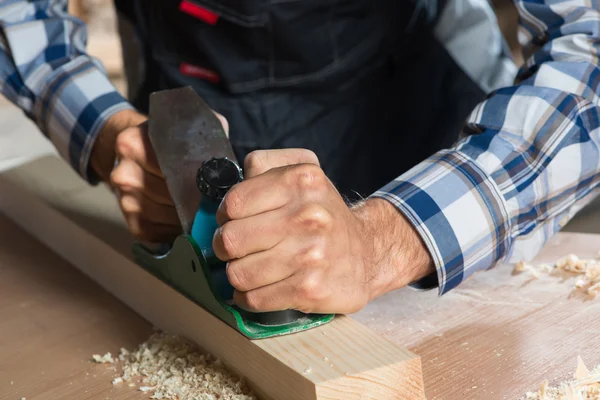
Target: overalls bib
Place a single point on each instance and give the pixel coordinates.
(362, 83)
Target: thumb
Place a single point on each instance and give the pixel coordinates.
(224, 122)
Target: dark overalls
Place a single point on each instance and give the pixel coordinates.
(362, 83)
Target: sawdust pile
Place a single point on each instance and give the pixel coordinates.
(585, 386)
(169, 367)
(588, 271)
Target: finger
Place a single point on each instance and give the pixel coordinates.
(239, 238)
(134, 143)
(275, 297)
(270, 191)
(260, 161)
(252, 197)
(224, 122)
(129, 175)
(301, 291)
(135, 203)
(258, 270)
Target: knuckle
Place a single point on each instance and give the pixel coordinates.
(309, 177)
(117, 178)
(254, 161)
(129, 205)
(229, 239)
(314, 217)
(311, 287)
(232, 203)
(314, 256)
(253, 301)
(126, 143)
(122, 178)
(237, 277)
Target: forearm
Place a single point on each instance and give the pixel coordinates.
(45, 71)
(551, 122)
(500, 194)
(396, 252)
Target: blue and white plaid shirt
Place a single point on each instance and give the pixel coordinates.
(44, 69)
(497, 195)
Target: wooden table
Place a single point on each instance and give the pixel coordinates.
(52, 320)
(496, 336)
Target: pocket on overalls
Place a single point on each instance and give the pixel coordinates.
(322, 43)
(248, 45)
(203, 38)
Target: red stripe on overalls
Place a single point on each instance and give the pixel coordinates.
(198, 72)
(199, 12)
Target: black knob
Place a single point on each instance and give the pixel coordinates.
(217, 175)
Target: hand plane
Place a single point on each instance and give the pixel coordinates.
(199, 167)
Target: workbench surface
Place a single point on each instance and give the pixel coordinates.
(496, 336)
(52, 320)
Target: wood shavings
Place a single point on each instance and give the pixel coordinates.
(107, 358)
(546, 268)
(581, 372)
(585, 386)
(522, 266)
(543, 389)
(581, 283)
(594, 289)
(593, 271)
(171, 368)
(587, 272)
(568, 263)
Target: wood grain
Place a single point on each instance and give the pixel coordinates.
(52, 320)
(498, 335)
(495, 337)
(341, 360)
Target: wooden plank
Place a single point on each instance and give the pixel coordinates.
(498, 335)
(53, 320)
(341, 360)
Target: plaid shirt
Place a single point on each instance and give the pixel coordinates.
(528, 163)
(45, 70)
(531, 157)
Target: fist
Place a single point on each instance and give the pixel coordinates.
(142, 191)
(290, 240)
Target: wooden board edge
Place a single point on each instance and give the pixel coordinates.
(275, 368)
(406, 380)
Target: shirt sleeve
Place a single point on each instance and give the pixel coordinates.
(530, 160)
(45, 71)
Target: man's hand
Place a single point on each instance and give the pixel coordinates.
(291, 241)
(143, 195)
